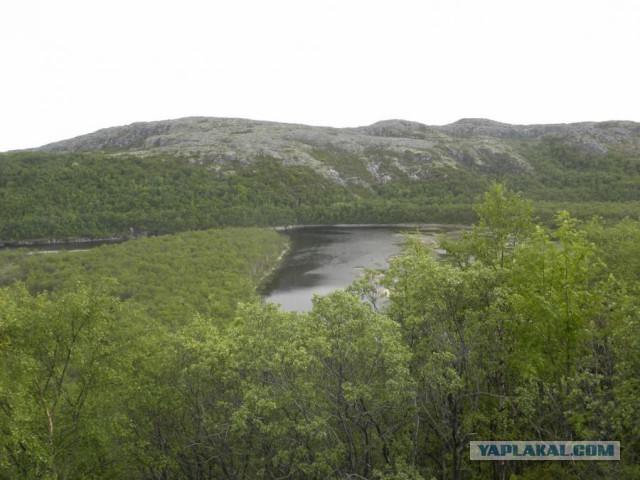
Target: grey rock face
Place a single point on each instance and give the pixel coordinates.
(377, 152)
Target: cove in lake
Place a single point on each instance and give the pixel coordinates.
(323, 259)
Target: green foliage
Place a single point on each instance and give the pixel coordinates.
(102, 194)
(504, 221)
(619, 247)
(172, 276)
(63, 362)
(366, 387)
(527, 350)
(520, 332)
(566, 172)
(96, 195)
(275, 394)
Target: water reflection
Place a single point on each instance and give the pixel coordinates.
(324, 259)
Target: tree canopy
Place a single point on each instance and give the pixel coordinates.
(522, 331)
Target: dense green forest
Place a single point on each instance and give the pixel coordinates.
(172, 276)
(522, 331)
(98, 194)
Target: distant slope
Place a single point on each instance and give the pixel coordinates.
(194, 173)
(382, 151)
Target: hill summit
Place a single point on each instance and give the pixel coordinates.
(377, 152)
(195, 173)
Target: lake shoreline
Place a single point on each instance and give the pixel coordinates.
(59, 241)
(285, 228)
(279, 228)
(264, 282)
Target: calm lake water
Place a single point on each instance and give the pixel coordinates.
(324, 259)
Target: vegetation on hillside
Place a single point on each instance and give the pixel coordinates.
(94, 195)
(97, 194)
(521, 332)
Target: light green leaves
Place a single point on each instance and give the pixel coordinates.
(60, 368)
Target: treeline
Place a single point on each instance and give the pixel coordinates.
(58, 196)
(521, 332)
(565, 172)
(96, 195)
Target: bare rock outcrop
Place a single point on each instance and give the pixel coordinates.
(374, 153)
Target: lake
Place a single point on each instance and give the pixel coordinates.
(324, 259)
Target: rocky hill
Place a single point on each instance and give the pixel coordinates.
(196, 173)
(373, 154)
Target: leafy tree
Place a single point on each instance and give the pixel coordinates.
(511, 337)
(505, 219)
(440, 309)
(62, 365)
(366, 391)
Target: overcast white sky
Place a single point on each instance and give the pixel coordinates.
(70, 67)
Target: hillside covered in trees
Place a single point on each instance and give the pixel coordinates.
(156, 359)
(522, 331)
(199, 173)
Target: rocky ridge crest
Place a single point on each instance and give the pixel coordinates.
(384, 149)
